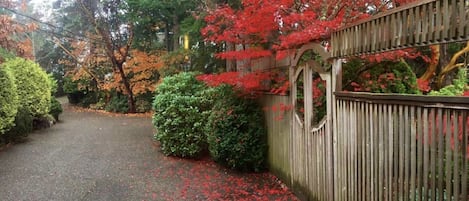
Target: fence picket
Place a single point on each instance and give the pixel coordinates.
(402, 151)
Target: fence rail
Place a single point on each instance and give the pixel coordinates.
(422, 23)
(395, 147)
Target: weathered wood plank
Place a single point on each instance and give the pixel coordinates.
(433, 154)
(380, 152)
(361, 156)
(353, 151)
(465, 162)
(389, 140)
(402, 151)
(449, 155)
(456, 153)
(396, 152)
(368, 151)
(461, 17)
(407, 149)
(425, 22)
(439, 22)
(425, 145)
(414, 154)
(441, 151)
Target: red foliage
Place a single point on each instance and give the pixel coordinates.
(466, 93)
(408, 53)
(251, 53)
(278, 25)
(205, 180)
(423, 85)
(319, 87)
(248, 83)
(449, 134)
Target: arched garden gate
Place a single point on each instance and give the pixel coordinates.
(311, 148)
(366, 146)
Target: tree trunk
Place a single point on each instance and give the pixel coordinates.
(176, 33)
(452, 64)
(435, 60)
(230, 63)
(128, 90)
(167, 38)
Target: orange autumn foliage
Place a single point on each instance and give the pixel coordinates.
(142, 70)
(13, 37)
(13, 34)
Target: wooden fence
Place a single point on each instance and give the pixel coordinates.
(394, 147)
(422, 23)
(278, 125)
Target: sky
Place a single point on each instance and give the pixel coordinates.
(43, 6)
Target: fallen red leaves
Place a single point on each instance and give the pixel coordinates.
(205, 180)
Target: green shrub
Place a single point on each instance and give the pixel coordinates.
(100, 105)
(55, 108)
(383, 77)
(235, 132)
(457, 88)
(180, 114)
(43, 121)
(143, 102)
(80, 96)
(8, 100)
(88, 98)
(71, 89)
(142, 106)
(34, 85)
(23, 126)
(117, 103)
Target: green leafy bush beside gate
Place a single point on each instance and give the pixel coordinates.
(8, 99)
(180, 115)
(236, 133)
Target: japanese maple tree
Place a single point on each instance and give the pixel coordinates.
(117, 35)
(275, 28)
(272, 27)
(142, 70)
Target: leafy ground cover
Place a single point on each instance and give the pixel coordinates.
(206, 180)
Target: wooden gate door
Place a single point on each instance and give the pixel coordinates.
(311, 146)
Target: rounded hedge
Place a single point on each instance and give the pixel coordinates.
(180, 115)
(236, 133)
(8, 99)
(34, 85)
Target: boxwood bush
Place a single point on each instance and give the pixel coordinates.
(34, 85)
(23, 126)
(180, 108)
(236, 133)
(8, 99)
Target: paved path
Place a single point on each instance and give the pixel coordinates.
(93, 156)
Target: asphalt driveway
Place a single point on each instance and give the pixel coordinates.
(97, 156)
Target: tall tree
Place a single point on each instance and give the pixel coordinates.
(117, 34)
(152, 16)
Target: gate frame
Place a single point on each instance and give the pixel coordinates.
(308, 68)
